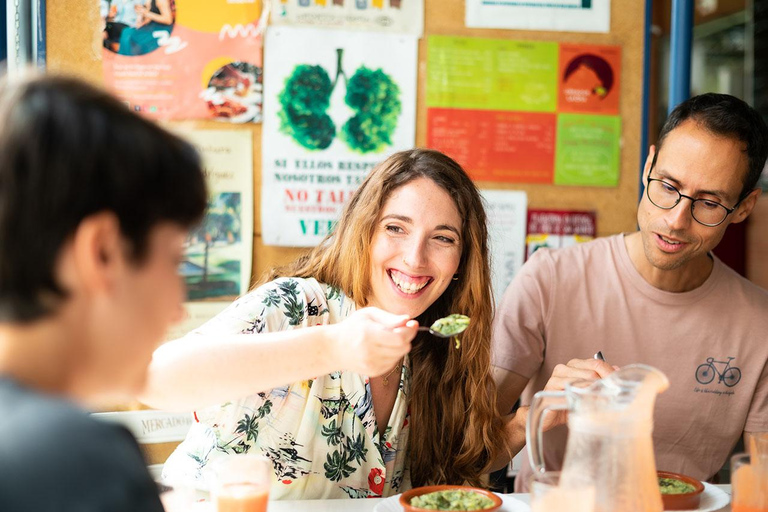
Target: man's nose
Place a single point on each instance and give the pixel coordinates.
(679, 217)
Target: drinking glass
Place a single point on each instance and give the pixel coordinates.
(242, 483)
(749, 483)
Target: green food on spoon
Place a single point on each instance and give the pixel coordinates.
(451, 325)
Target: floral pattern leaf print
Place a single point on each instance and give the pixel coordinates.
(356, 449)
(249, 427)
(332, 433)
(293, 304)
(336, 467)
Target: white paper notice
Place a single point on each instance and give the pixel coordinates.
(507, 213)
(557, 15)
(335, 104)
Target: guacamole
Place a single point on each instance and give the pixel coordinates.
(452, 500)
(674, 486)
(451, 325)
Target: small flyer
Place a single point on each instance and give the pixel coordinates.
(219, 252)
(184, 59)
(396, 16)
(506, 211)
(555, 229)
(559, 15)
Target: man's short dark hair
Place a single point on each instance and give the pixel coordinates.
(725, 115)
(67, 151)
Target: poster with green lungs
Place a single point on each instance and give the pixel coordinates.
(335, 104)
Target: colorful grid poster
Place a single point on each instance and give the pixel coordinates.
(321, 140)
(555, 229)
(400, 16)
(511, 111)
(184, 59)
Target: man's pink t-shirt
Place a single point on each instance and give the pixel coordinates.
(573, 302)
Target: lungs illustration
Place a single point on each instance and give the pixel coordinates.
(306, 97)
(371, 94)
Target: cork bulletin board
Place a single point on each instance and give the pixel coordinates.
(74, 47)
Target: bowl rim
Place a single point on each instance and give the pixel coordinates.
(405, 498)
(697, 484)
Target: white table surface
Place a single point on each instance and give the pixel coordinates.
(363, 505)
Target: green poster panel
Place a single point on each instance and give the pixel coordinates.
(491, 74)
(587, 150)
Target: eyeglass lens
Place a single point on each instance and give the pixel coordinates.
(666, 196)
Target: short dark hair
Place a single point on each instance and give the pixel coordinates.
(725, 115)
(67, 151)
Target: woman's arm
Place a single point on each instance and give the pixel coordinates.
(165, 17)
(205, 369)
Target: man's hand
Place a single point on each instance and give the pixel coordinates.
(371, 341)
(576, 369)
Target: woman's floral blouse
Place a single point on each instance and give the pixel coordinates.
(321, 435)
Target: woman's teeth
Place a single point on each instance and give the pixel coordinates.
(407, 286)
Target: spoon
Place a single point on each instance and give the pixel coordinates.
(442, 334)
(448, 327)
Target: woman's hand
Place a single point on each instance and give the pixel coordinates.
(371, 341)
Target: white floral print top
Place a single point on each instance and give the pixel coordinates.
(321, 434)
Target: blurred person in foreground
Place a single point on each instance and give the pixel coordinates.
(95, 205)
(656, 296)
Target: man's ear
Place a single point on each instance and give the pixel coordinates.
(649, 160)
(98, 251)
(746, 206)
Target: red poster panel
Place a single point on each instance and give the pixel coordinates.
(512, 147)
(589, 79)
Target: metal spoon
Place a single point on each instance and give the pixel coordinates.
(443, 335)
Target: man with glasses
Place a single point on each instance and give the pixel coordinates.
(656, 296)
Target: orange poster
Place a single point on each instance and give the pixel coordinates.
(589, 79)
(494, 145)
(184, 59)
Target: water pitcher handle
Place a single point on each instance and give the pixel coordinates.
(543, 401)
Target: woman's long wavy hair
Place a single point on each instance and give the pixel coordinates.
(455, 428)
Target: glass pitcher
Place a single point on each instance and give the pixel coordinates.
(609, 453)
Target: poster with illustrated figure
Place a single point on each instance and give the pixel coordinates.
(558, 15)
(185, 59)
(401, 16)
(219, 251)
(555, 229)
(336, 104)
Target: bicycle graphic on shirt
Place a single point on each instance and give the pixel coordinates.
(730, 376)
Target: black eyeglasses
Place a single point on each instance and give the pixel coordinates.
(666, 196)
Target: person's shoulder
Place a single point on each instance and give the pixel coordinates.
(34, 422)
(597, 249)
(754, 294)
(59, 447)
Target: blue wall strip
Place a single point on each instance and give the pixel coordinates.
(646, 93)
(681, 37)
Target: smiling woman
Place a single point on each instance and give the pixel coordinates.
(412, 241)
